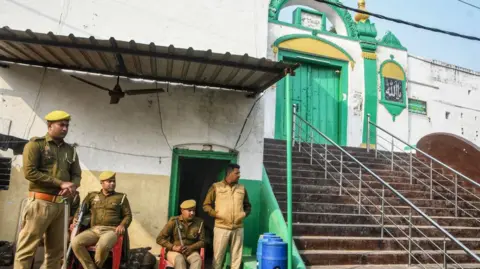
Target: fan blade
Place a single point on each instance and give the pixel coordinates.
(143, 91)
(114, 100)
(90, 83)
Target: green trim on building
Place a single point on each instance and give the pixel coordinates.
(174, 177)
(272, 220)
(314, 32)
(393, 108)
(296, 36)
(297, 18)
(290, 56)
(276, 5)
(371, 99)
(391, 41)
(367, 33)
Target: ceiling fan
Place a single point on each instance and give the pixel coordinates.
(117, 93)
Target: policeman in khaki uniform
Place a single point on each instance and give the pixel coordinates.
(192, 237)
(53, 169)
(227, 201)
(110, 217)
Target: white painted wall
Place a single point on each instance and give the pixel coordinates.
(446, 88)
(131, 127)
(230, 25)
(356, 84)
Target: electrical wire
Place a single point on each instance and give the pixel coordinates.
(416, 25)
(28, 128)
(246, 119)
(161, 122)
(469, 4)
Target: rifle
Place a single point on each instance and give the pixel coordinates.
(179, 233)
(66, 259)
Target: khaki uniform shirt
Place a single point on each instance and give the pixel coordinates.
(193, 234)
(111, 210)
(228, 204)
(47, 164)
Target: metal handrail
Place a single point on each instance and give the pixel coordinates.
(393, 190)
(426, 154)
(457, 187)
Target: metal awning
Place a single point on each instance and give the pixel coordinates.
(143, 61)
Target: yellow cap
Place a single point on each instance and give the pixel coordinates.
(57, 115)
(188, 204)
(106, 175)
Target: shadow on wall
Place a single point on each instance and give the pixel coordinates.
(454, 151)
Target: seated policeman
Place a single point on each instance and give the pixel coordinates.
(110, 216)
(184, 249)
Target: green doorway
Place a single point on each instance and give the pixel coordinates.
(193, 172)
(319, 91)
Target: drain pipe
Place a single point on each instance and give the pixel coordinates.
(288, 123)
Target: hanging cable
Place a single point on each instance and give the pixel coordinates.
(469, 4)
(246, 119)
(416, 25)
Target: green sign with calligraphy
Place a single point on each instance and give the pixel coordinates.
(417, 106)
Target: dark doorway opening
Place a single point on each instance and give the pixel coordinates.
(196, 176)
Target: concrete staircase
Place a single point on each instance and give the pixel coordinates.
(329, 230)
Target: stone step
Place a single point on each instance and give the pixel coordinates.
(409, 194)
(331, 218)
(377, 243)
(336, 257)
(394, 266)
(330, 148)
(319, 172)
(320, 163)
(369, 230)
(375, 209)
(361, 157)
(371, 200)
(388, 179)
(375, 184)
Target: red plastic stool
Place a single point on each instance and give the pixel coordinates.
(116, 253)
(163, 263)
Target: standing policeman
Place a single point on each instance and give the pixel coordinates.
(53, 169)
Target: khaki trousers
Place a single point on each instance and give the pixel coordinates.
(221, 239)
(39, 218)
(178, 260)
(103, 237)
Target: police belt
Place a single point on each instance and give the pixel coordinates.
(46, 197)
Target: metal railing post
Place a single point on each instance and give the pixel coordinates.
(376, 141)
(300, 138)
(294, 125)
(456, 195)
(410, 237)
(368, 132)
(411, 169)
(393, 143)
(431, 179)
(383, 211)
(326, 162)
(311, 147)
(360, 192)
(341, 172)
(444, 252)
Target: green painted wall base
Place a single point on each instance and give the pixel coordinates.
(272, 220)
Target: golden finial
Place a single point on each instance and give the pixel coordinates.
(360, 17)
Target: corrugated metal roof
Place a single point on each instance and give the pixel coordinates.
(145, 61)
